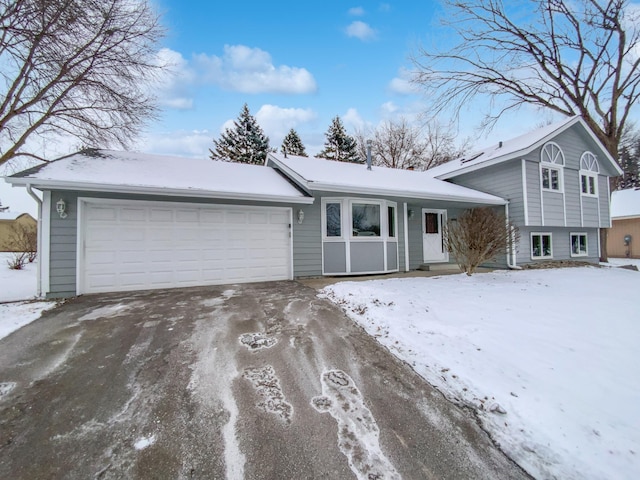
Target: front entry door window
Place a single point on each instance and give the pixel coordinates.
(433, 222)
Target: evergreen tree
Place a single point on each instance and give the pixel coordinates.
(244, 143)
(292, 144)
(338, 145)
(629, 160)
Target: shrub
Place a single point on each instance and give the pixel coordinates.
(478, 236)
(23, 239)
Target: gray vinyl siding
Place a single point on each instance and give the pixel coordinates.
(534, 209)
(63, 247)
(560, 244)
(553, 209)
(367, 256)
(572, 193)
(307, 248)
(590, 212)
(503, 180)
(569, 208)
(603, 197)
(416, 254)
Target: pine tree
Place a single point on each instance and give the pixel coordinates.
(244, 143)
(630, 164)
(338, 145)
(292, 144)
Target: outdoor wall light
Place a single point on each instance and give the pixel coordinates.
(410, 213)
(300, 216)
(61, 208)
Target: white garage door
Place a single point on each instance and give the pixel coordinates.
(145, 245)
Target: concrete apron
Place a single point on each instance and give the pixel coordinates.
(259, 381)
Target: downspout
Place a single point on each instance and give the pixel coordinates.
(511, 244)
(39, 266)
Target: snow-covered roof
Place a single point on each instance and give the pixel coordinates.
(513, 148)
(115, 171)
(625, 203)
(327, 175)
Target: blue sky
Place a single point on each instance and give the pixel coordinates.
(296, 65)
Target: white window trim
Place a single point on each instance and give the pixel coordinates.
(587, 161)
(346, 225)
(384, 234)
(588, 174)
(550, 167)
(552, 162)
(325, 238)
(536, 234)
(586, 238)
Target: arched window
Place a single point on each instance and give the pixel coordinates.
(589, 174)
(551, 163)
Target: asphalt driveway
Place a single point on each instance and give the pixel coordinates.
(258, 381)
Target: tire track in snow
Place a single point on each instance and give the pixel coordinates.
(358, 432)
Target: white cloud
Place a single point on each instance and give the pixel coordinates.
(251, 70)
(277, 121)
(384, 7)
(389, 108)
(173, 85)
(181, 143)
(402, 83)
(360, 30)
(353, 119)
(356, 11)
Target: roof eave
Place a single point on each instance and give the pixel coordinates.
(171, 192)
(327, 187)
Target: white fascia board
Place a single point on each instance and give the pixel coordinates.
(291, 174)
(95, 187)
(326, 187)
(626, 217)
(529, 149)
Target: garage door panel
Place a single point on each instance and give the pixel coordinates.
(163, 215)
(142, 245)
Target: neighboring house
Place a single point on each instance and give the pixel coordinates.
(556, 182)
(115, 221)
(624, 236)
(8, 223)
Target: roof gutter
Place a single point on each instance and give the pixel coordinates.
(404, 194)
(95, 187)
(511, 243)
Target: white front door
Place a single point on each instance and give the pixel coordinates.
(433, 247)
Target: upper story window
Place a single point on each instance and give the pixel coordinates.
(589, 174)
(551, 165)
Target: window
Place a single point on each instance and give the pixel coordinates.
(431, 223)
(391, 221)
(541, 245)
(550, 178)
(579, 245)
(589, 174)
(333, 220)
(551, 163)
(365, 218)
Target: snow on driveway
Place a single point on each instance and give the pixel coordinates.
(548, 358)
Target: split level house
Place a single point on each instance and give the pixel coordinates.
(117, 221)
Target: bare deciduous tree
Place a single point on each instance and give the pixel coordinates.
(397, 144)
(573, 57)
(22, 241)
(479, 235)
(75, 67)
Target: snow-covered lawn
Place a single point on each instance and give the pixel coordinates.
(548, 358)
(18, 285)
